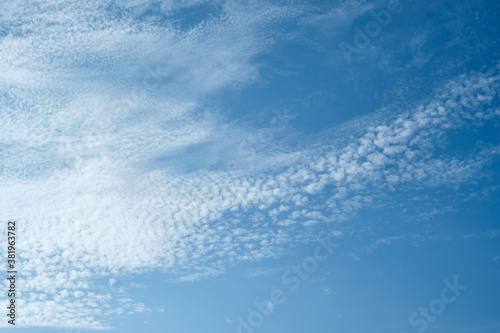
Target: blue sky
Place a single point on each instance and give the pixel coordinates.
(186, 166)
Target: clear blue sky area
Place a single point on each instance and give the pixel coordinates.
(251, 166)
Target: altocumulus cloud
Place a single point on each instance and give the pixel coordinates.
(87, 161)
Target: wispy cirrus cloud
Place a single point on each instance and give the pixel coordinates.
(204, 221)
(103, 171)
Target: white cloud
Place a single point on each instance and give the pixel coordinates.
(194, 225)
(103, 174)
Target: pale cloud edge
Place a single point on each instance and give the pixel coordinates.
(78, 148)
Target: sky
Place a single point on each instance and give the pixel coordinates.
(251, 166)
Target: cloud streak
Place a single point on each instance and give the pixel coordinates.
(103, 170)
